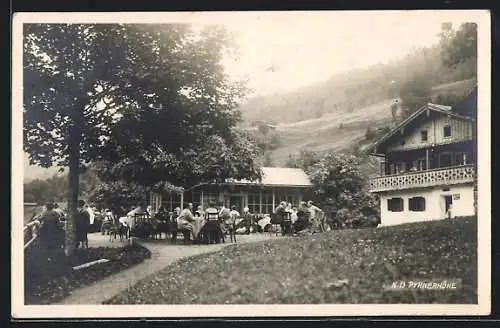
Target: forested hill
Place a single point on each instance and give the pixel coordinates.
(355, 89)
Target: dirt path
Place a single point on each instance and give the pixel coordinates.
(162, 255)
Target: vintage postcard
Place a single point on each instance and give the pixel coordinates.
(251, 164)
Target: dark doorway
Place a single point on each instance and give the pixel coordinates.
(448, 200)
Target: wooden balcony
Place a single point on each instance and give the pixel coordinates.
(428, 178)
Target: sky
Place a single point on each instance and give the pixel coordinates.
(280, 51)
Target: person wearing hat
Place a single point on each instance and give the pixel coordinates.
(279, 216)
(315, 215)
(51, 231)
(234, 215)
(224, 216)
(108, 222)
(59, 211)
(82, 224)
(302, 217)
(247, 217)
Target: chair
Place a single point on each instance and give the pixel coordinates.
(139, 219)
(212, 230)
(143, 217)
(286, 226)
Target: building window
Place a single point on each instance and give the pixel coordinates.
(423, 135)
(254, 203)
(416, 204)
(293, 199)
(267, 203)
(395, 204)
(461, 159)
(447, 131)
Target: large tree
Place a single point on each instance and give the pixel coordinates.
(140, 98)
(69, 75)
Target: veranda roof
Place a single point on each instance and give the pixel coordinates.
(279, 176)
(271, 176)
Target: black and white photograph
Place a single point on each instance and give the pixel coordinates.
(274, 163)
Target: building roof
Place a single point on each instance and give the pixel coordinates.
(447, 110)
(279, 176)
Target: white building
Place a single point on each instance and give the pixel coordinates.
(427, 166)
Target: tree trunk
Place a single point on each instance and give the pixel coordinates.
(73, 189)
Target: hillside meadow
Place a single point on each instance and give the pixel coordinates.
(340, 266)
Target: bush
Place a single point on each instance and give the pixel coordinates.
(340, 189)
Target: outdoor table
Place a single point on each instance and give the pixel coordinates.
(198, 224)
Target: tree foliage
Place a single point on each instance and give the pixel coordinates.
(342, 188)
(39, 191)
(303, 160)
(459, 46)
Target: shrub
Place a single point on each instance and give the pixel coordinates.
(340, 189)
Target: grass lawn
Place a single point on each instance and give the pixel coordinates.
(304, 270)
(47, 281)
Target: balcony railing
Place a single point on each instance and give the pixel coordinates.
(428, 178)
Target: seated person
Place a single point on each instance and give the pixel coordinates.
(212, 230)
(302, 221)
(185, 221)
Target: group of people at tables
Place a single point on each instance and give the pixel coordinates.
(306, 215)
(197, 223)
(228, 220)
